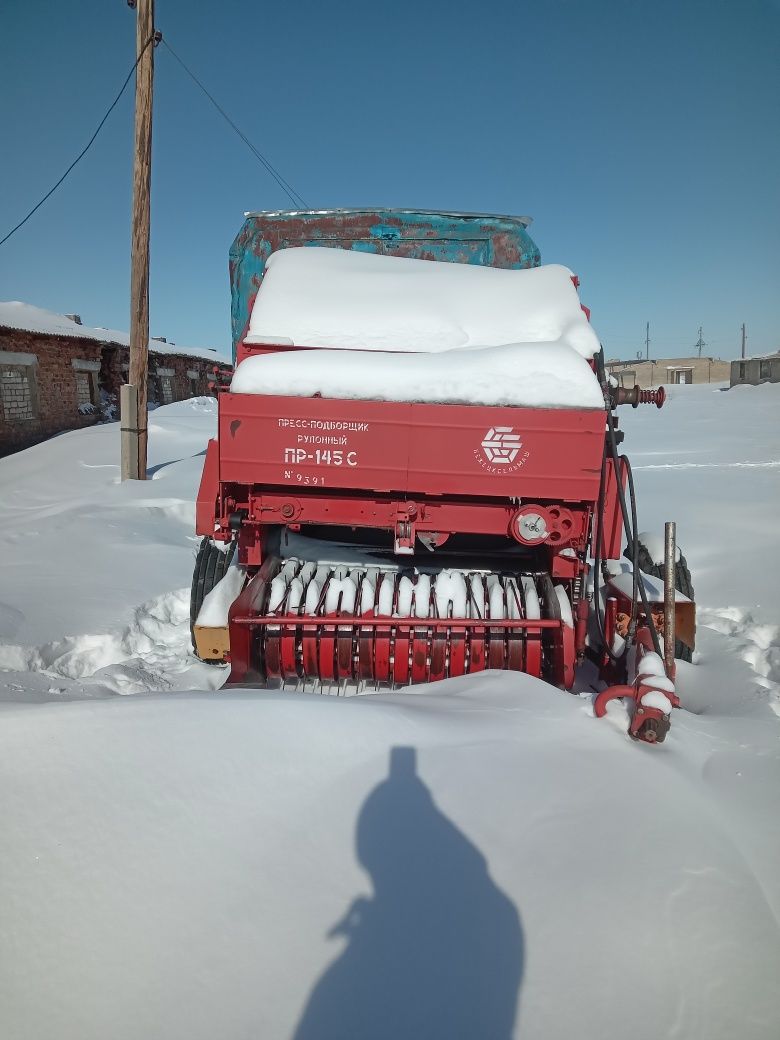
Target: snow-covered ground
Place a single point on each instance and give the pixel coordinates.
(436, 863)
(95, 574)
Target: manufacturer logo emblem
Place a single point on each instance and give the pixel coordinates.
(501, 445)
(501, 452)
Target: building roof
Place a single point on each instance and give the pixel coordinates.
(25, 317)
(672, 362)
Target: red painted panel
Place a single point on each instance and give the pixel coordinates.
(320, 443)
(208, 492)
(613, 518)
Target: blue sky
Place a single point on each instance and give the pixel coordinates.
(641, 136)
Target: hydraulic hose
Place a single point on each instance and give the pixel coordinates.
(634, 544)
(631, 534)
(597, 562)
(630, 526)
(642, 589)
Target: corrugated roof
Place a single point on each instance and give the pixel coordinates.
(25, 317)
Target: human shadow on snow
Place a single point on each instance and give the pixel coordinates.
(438, 951)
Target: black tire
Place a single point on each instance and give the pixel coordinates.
(211, 564)
(682, 582)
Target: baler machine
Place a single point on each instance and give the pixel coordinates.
(470, 528)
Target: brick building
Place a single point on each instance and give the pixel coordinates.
(669, 371)
(57, 374)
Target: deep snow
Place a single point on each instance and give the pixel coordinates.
(249, 864)
(95, 574)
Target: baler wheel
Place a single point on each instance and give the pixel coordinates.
(211, 564)
(682, 582)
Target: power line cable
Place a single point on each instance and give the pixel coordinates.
(81, 155)
(297, 200)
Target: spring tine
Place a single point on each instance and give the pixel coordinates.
(496, 637)
(470, 598)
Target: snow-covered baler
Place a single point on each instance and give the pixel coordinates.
(415, 463)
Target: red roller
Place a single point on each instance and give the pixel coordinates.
(401, 656)
(420, 655)
(524, 632)
(327, 649)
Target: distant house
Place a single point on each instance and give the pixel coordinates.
(57, 374)
(756, 370)
(669, 371)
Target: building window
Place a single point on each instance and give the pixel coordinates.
(742, 369)
(165, 385)
(194, 380)
(764, 370)
(85, 389)
(17, 392)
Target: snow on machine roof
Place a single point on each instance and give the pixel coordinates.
(470, 334)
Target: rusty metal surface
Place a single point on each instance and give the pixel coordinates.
(488, 241)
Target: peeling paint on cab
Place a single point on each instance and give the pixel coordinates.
(462, 238)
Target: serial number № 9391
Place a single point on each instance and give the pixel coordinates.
(321, 457)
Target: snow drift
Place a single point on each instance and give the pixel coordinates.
(188, 865)
(478, 859)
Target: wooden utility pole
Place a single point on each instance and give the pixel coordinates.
(744, 339)
(647, 340)
(135, 433)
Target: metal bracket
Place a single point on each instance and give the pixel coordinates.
(405, 535)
